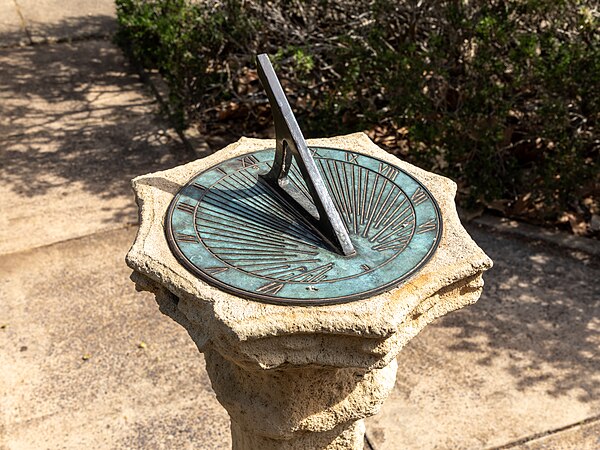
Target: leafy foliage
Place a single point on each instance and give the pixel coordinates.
(501, 95)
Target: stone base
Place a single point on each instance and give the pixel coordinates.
(298, 407)
(347, 436)
(302, 377)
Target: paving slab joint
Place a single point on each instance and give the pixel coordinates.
(534, 437)
(368, 443)
(23, 22)
(73, 239)
(99, 36)
(54, 41)
(557, 238)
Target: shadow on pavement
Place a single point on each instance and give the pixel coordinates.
(68, 29)
(74, 115)
(542, 309)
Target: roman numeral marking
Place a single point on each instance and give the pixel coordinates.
(181, 237)
(315, 152)
(365, 267)
(271, 288)
(418, 197)
(430, 225)
(214, 270)
(352, 158)
(314, 275)
(388, 171)
(249, 161)
(186, 207)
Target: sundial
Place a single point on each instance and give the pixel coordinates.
(302, 225)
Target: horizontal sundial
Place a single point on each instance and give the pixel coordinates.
(234, 230)
(300, 225)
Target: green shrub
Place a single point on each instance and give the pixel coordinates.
(184, 42)
(501, 95)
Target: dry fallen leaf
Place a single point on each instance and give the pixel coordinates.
(578, 224)
(229, 110)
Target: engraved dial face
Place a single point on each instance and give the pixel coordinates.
(233, 230)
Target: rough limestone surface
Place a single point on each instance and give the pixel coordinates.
(297, 376)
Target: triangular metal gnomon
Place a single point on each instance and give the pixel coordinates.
(291, 143)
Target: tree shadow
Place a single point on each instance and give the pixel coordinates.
(75, 115)
(73, 28)
(540, 311)
(67, 29)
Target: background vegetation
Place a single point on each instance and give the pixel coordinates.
(501, 95)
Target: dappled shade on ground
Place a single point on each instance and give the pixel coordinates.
(75, 127)
(521, 361)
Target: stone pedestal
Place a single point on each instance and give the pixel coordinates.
(297, 377)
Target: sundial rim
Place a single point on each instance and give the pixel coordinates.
(272, 297)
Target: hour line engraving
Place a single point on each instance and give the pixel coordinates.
(373, 207)
(221, 171)
(215, 270)
(249, 161)
(355, 199)
(363, 202)
(186, 207)
(388, 171)
(181, 237)
(418, 197)
(271, 288)
(403, 222)
(430, 225)
(332, 180)
(352, 158)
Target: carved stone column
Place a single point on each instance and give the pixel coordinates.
(298, 377)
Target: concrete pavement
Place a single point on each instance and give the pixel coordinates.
(521, 362)
(91, 363)
(75, 126)
(24, 22)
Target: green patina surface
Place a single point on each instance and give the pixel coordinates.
(232, 230)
